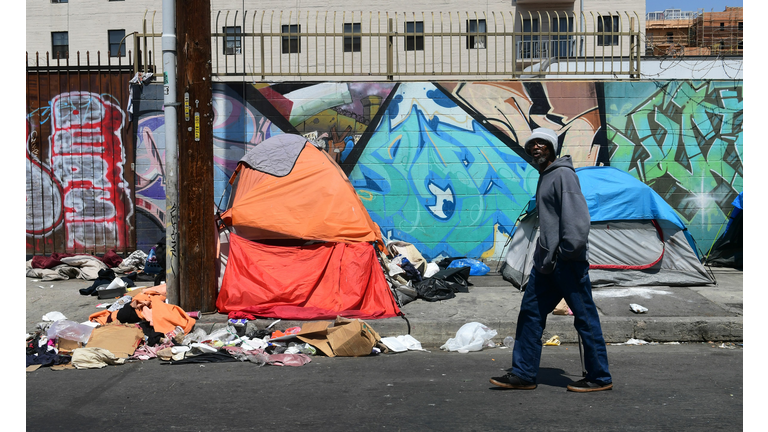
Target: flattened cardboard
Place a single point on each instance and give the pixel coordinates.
(119, 339)
(343, 338)
(66, 346)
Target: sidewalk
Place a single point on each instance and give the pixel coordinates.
(675, 314)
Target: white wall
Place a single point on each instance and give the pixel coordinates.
(87, 21)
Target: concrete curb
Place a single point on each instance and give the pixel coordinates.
(432, 334)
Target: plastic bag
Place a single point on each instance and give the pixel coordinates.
(69, 330)
(432, 268)
(224, 335)
(197, 335)
(470, 337)
(476, 268)
(402, 343)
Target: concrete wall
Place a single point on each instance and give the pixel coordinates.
(440, 164)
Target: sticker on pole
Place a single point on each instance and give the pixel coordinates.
(197, 126)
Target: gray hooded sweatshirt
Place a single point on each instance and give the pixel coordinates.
(563, 216)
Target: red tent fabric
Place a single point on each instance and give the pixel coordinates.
(318, 281)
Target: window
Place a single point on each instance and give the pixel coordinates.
(670, 37)
(59, 1)
(291, 43)
(476, 40)
(231, 43)
(741, 26)
(352, 42)
(529, 47)
(116, 48)
(563, 43)
(60, 45)
(722, 26)
(414, 42)
(607, 24)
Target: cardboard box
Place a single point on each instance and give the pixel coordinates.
(66, 346)
(119, 339)
(342, 338)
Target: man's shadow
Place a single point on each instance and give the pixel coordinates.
(551, 377)
(556, 377)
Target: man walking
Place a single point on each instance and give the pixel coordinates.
(560, 270)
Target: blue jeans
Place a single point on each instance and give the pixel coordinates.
(569, 280)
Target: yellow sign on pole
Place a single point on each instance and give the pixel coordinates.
(186, 106)
(197, 126)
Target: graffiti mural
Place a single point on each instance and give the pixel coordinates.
(433, 176)
(685, 140)
(79, 186)
(513, 109)
(333, 115)
(440, 165)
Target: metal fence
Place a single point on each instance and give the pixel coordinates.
(80, 161)
(290, 45)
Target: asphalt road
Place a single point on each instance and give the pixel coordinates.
(696, 386)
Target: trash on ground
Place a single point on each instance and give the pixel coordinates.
(54, 316)
(636, 308)
(70, 330)
(728, 345)
(402, 343)
(553, 341)
(472, 336)
(94, 358)
(476, 268)
(508, 342)
(562, 309)
(633, 341)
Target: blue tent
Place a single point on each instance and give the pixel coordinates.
(635, 238)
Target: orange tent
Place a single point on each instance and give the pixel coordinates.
(301, 243)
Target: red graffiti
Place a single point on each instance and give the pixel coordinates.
(87, 158)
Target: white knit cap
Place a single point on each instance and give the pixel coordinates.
(542, 133)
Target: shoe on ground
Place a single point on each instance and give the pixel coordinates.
(584, 386)
(511, 381)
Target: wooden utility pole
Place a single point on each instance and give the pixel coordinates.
(197, 247)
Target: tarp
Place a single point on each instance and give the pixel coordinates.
(318, 281)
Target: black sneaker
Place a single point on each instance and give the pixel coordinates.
(584, 386)
(511, 381)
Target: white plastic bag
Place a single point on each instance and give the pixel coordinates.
(402, 343)
(69, 330)
(470, 337)
(432, 268)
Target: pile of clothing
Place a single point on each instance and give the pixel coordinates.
(411, 277)
(142, 326)
(63, 266)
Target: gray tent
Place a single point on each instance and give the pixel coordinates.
(635, 239)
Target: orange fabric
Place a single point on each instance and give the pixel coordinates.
(315, 201)
(102, 317)
(150, 306)
(318, 281)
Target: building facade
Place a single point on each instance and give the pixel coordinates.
(489, 30)
(686, 33)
